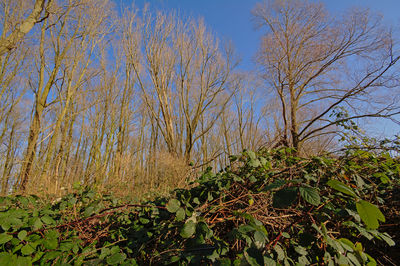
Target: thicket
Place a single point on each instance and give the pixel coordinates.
(265, 208)
(108, 92)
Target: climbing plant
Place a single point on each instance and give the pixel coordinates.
(264, 208)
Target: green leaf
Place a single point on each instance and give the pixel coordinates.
(79, 260)
(115, 250)
(15, 222)
(254, 163)
(324, 231)
(268, 261)
(173, 205)
(37, 224)
(27, 249)
(174, 259)
(144, 220)
(89, 211)
(383, 177)
(213, 256)
(224, 262)
(284, 198)
(67, 246)
(116, 258)
(50, 243)
(4, 238)
(188, 229)
(265, 163)
(251, 154)
(252, 179)
(24, 201)
(52, 234)
(259, 239)
(386, 237)
(75, 248)
(285, 235)
(6, 258)
(358, 247)
(353, 259)
(301, 250)
(303, 261)
(254, 257)
(52, 255)
(342, 260)
(104, 252)
(280, 252)
(196, 201)
(347, 244)
(22, 235)
(310, 195)
(339, 186)
(38, 255)
(48, 220)
(180, 214)
(23, 261)
(202, 229)
(232, 158)
(372, 261)
(276, 184)
(370, 214)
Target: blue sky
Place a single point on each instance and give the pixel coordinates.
(231, 20)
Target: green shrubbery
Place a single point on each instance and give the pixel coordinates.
(265, 208)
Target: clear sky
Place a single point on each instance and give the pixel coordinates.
(231, 19)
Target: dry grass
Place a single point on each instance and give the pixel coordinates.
(158, 177)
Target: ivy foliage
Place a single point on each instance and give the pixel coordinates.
(265, 208)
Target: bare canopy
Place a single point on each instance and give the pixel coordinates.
(10, 42)
(318, 65)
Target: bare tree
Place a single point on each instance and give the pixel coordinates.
(68, 39)
(11, 36)
(316, 62)
(183, 75)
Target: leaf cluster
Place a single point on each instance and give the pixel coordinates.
(265, 208)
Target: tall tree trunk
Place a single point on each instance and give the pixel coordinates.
(8, 164)
(34, 132)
